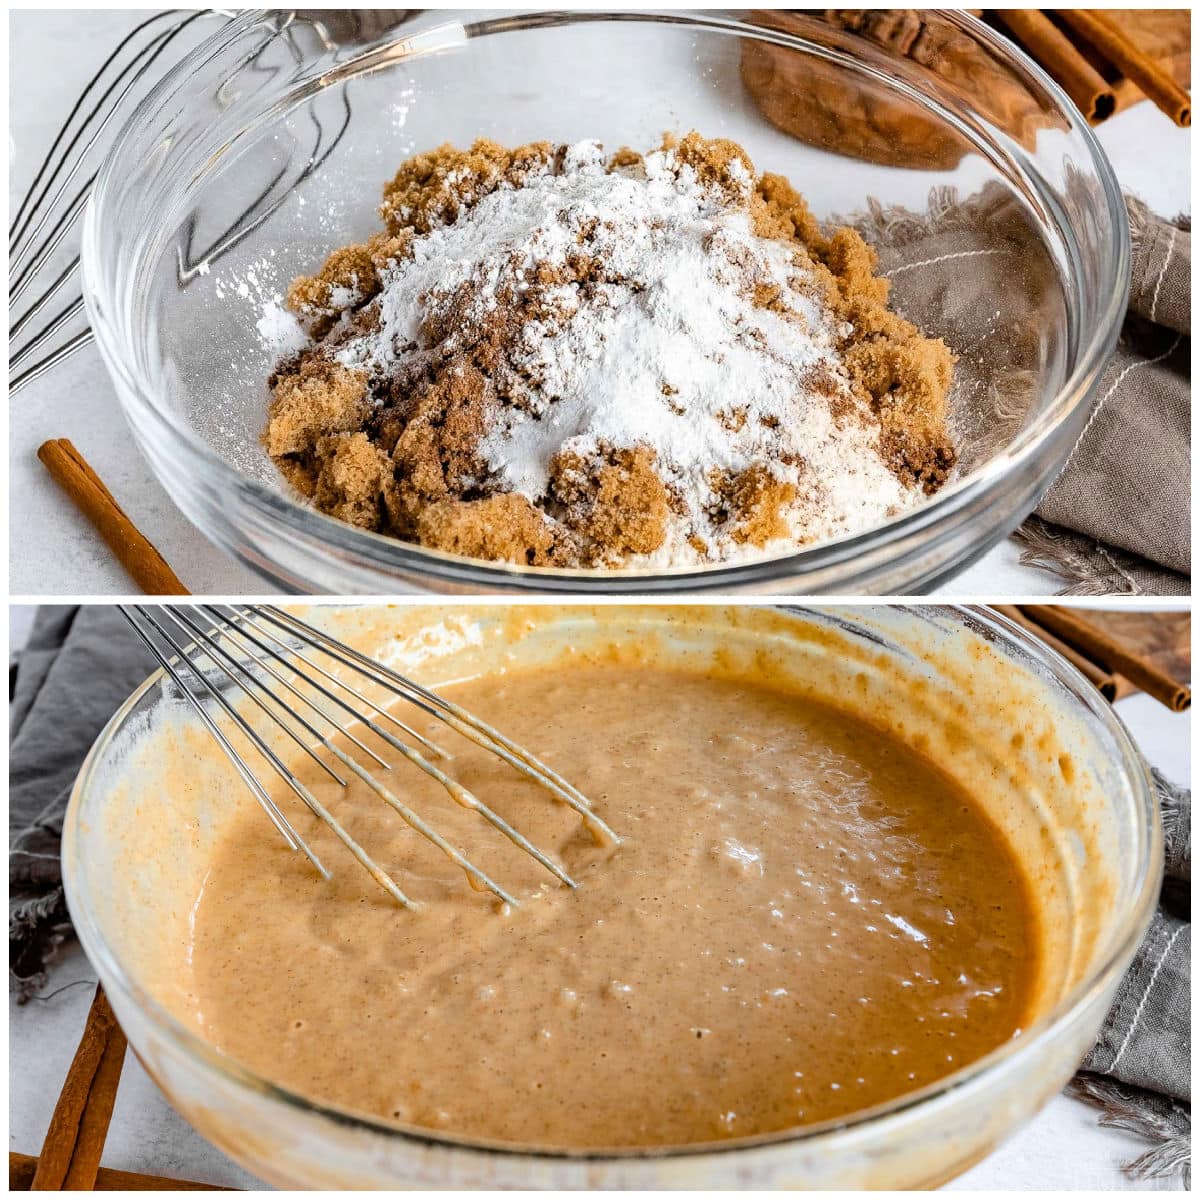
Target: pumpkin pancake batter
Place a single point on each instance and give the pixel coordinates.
(804, 918)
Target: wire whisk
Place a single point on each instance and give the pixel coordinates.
(284, 667)
(43, 238)
(43, 244)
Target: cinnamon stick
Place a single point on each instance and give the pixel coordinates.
(1104, 649)
(136, 554)
(1103, 679)
(1053, 50)
(1098, 29)
(23, 1167)
(70, 1156)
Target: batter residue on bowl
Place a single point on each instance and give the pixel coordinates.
(804, 919)
(553, 355)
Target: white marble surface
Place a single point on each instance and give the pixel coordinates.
(52, 549)
(1063, 1148)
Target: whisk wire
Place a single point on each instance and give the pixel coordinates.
(459, 794)
(479, 879)
(150, 53)
(50, 210)
(324, 691)
(318, 809)
(468, 725)
(36, 307)
(231, 647)
(24, 275)
(61, 318)
(275, 761)
(54, 201)
(434, 749)
(20, 220)
(214, 647)
(306, 700)
(281, 822)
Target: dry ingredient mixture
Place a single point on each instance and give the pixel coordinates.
(804, 918)
(556, 356)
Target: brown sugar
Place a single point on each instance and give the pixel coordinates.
(755, 501)
(903, 374)
(401, 440)
(619, 503)
(431, 189)
(321, 397)
(348, 278)
(350, 480)
(716, 161)
(433, 441)
(504, 527)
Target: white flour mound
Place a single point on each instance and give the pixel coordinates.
(669, 351)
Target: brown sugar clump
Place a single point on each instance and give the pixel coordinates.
(755, 502)
(434, 442)
(618, 502)
(505, 527)
(779, 211)
(716, 161)
(853, 264)
(349, 276)
(431, 189)
(301, 474)
(351, 479)
(900, 373)
(906, 380)
(321, 398)
(625, 159)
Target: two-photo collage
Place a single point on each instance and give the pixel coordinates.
(599, 600)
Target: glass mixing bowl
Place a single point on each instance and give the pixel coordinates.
(269, 144)
(996, 709)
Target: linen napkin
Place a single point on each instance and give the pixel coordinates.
(1117, 520)
(1139, 1071)
(77, 669)
(81, 663)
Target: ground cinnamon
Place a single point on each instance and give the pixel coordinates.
(1110, 40)
(1103, 648)
(1053, 50)
(70, 1157)
(136, 553)
(23, 1167)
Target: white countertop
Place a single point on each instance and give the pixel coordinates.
(1062, 1148)
(53, 551)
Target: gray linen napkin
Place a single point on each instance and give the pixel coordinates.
(82, 663)
(1126, 484)
(1139, 1072)
(1117, 518)
(79, 666)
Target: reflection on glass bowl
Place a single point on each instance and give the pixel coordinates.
(266, 148)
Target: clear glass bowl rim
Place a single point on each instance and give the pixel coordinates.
(999, 629)
(390, 556)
